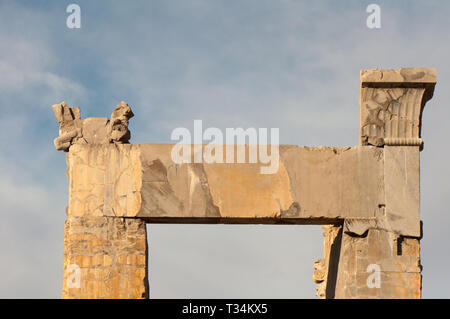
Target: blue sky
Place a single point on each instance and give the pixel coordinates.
(288, 64)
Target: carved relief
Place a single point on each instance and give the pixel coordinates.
(94, 130)
(391, 116)
(391, 104)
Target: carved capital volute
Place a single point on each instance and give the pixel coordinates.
(391, 104)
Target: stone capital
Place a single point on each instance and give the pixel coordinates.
(391, 104)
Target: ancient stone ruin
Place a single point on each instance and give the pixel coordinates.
(367, 196)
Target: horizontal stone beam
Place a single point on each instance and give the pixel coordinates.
(313, 185)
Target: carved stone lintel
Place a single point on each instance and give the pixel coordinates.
(94, 130)
(391, 104)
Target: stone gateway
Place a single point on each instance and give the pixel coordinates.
(370, 214)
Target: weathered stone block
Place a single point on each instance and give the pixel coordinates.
(363, 256)
(103, 249)
(402, 182)
(318, 183)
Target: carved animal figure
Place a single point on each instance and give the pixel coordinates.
(93, 130)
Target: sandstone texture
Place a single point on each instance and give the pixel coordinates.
(311, 185)
(366, 197)
(397, 258)
(111, 254)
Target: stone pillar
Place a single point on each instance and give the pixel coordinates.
(379, 257)
(105, 251)
(105, 257)
(104, 247)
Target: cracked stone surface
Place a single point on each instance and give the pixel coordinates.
(312, 183)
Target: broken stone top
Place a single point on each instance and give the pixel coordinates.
(404, 75)
(94, 130)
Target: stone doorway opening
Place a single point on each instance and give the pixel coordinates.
(232, 261)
